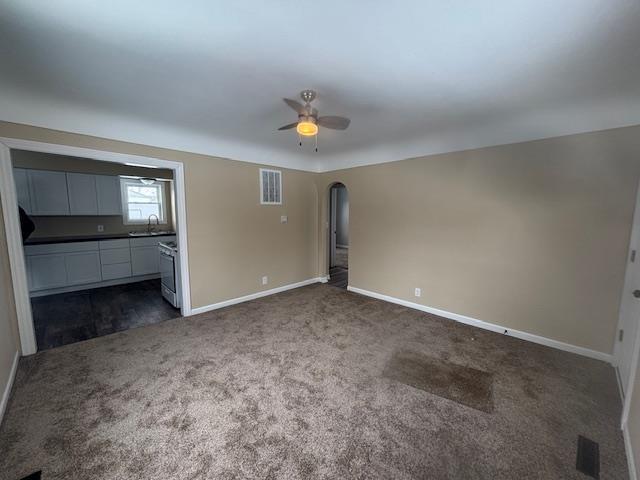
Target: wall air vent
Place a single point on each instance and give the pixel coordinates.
(270, 187)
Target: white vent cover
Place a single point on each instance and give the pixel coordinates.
(270, 187)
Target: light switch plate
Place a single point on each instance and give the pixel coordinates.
(284, 219)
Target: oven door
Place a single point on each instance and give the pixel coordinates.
(167, 271)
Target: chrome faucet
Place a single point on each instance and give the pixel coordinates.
(149, 224)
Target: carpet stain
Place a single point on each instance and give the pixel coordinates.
(465, 385)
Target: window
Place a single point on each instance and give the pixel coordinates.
(270, 187)
(140, 200)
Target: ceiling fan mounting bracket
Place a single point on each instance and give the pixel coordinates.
(308, 96)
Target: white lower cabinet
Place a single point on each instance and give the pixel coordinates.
(116, 270)
(83, 267)
(144, 260)
(47, 271)
(59, 265)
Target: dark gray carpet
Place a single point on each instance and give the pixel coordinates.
(293, 386)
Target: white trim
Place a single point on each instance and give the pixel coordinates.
(346, 247)
(12, 223)
(634, 238)
(324, 279)
(635, 352)
(13, 233)
(630, 457)
(618, 380)
(488, 326)
(253, 296)
(7, 389)
(632, 381)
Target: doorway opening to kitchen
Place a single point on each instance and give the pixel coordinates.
(338, 235)
(99, 242)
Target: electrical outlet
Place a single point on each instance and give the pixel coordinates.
(100, 228)
(265, 280)
(284, 219)
(417, 292)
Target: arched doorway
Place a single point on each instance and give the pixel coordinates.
(338, 235)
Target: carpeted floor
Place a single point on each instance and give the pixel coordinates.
(294, 386)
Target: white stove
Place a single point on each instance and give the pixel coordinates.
(170, 272)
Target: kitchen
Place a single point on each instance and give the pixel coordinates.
(100, 245)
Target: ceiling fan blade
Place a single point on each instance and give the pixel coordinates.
(336, 123)
(287, 127)
(297, 106)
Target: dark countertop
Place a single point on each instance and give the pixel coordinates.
(88, 238)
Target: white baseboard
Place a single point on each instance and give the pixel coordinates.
(630, 457)
(346, 247)
(253, 296)
(606, 357)
(7, 388)
(619, 382)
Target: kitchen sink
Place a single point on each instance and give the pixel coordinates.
(151, 234)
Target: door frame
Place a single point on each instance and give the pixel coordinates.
(9, 199)
(626, 393)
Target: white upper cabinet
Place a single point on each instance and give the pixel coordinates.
(109, 195)
(22, 189)
(43, 192)
(83, 199)
(48, 192)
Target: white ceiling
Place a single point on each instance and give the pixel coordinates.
(415, 76)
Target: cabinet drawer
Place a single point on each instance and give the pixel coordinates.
(71, 247)
(118, 243)
(117, 270)
(115, 255)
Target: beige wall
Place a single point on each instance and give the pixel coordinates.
(9, 343)
(530, 236)
(233, 241)
(52, 226)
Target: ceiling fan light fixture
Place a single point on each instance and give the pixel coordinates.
(307, 127)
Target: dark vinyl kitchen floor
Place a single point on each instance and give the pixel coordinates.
(72, 317)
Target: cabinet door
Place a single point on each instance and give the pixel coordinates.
(22, 189)
(109, 196)
(83, 267)
(82, 194)
(48, 192)
(46, 271)
(144, 260)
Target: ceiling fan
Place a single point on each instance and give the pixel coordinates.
(308, 119)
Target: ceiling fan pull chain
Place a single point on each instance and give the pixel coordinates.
(300, 140)
(316, 137)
